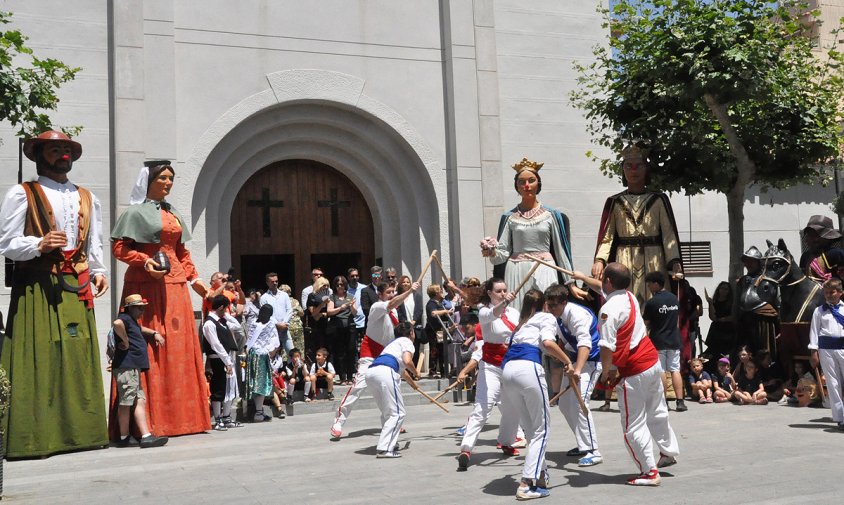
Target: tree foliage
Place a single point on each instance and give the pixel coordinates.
(679, 74)
(28, 84)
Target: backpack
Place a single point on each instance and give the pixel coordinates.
(110, 344)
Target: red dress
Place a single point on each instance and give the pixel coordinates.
(175, 384)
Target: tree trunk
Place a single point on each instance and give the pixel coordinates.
(744, 177)
(735, 220)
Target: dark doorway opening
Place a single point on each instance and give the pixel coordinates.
(254, 268)
(334, 264)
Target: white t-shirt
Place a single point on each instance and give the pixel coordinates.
(328, 368)
(494, 330)
(542, 326)
(397, 348)
(380, 326)
(614, 313)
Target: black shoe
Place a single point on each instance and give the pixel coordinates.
(330, 396)
(681, 406)
(281, 414)
(125, 442)
(153, 441)
(575, 453)
(261, 418)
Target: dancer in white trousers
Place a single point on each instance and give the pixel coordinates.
(379, 332)
(826, 344)
(524, 388)
(497, 321)
(627, 353)
(383, 378)
(579, 336)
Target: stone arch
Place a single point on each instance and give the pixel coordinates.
(326, 117)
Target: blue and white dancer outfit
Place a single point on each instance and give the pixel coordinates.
(495, 332)
(579, 328)
(383, 378)
(379, 333)
(524, 389)
(826, 335)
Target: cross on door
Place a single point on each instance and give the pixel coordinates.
(265, 204)
(334, 205)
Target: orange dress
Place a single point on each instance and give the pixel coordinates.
(175, 384)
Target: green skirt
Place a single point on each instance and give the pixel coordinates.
(53, 360)
(259, 380)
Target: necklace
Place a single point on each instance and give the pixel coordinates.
(531, 213)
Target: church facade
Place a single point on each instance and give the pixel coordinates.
(340, 133)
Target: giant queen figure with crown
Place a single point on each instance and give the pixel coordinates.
(534, 229)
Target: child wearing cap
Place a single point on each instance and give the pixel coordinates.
(722, 382)
(130, 358)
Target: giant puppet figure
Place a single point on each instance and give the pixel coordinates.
(150, 237)
(51, 228)
(637, 228)
(530, 228)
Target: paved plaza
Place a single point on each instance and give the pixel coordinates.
(730, 454)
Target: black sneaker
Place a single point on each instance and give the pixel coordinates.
(681, 406)
(152, 441)
(330, 396)
(126, 442)
(575, 453)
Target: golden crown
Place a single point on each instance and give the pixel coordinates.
(526, 164)
(634, 152)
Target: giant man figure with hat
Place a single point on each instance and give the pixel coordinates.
(52, 229)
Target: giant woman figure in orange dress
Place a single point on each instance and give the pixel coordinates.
(175, 385)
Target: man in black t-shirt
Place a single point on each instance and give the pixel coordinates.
(660, 315)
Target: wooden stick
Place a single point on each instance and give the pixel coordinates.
(550, 265)
(420, 360)
(442, 270)
(820, 383)
(416, 388)
(427, 266)
(528, 277)
(558, 395)
(446, 390)
(576, 388)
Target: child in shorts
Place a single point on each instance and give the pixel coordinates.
(130, 358)
(700, 381)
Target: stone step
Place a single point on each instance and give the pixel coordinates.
(366, 401)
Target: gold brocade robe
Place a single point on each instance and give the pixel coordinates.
(638, 231)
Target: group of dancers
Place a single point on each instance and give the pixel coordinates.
(611, 348)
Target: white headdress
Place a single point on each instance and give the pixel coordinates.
(139, 190)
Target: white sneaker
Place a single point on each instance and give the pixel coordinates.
(591, 459)
(531, 493)
(336, 430)
(388, 454)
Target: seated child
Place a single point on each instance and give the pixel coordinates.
(722, 381)
(297, 379)
(790, 389)
(749, 387)
(700, 381)
(772, 375)
(322, 373)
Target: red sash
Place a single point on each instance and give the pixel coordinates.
(632, 361)
(494, 353)
(372, 349)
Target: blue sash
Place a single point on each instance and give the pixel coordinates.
(595, 351)
(522, 351)
(827, 342)
(386, 360)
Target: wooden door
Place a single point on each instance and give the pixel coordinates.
(296, 212)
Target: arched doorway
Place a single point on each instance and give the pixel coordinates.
(294, 215)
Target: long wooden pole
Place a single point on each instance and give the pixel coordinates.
(558, 395)
(528, 277)
(446, 390)
(416, 388)
(427, 266)
(575, 387)
(551, 265)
